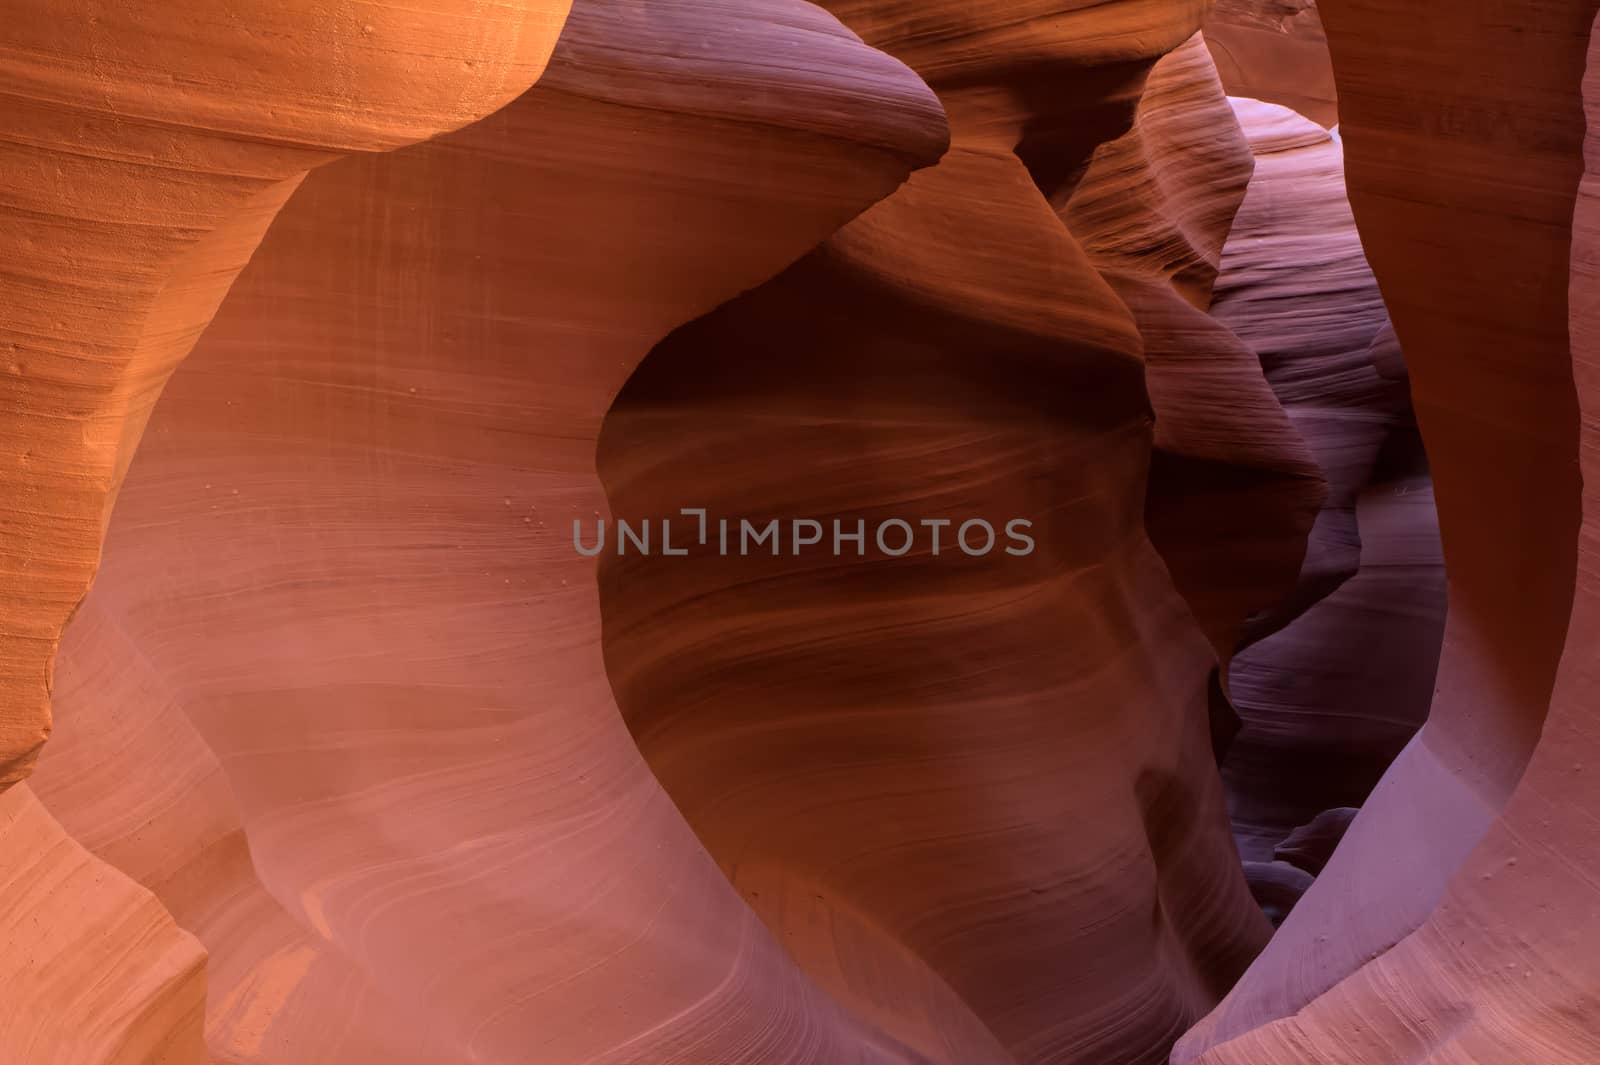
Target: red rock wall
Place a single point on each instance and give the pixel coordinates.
(1463, 187)
(1275, 50)
(341, 663)
(353, 763)
(990, 776)
(143, 151)
(1232, 488)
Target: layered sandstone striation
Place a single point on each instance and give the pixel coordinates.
(1497, 971)
(1277, 51)
(1233, 489)
(142, 162)
(144, 149)
(1464, 191)
(337, 699)
(1339, 671)
(360, 756)
(972, 792)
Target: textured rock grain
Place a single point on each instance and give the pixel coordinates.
(1233, 489)
(342, 663)
(929, 734)
(1275, 50)
(1340, 672)
(1464, 190)
(144, 149)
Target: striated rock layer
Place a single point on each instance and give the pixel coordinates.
(1232, 490)
(143, 151)
(129, 208)
(1340, 670)
(973, 792)
(354, 763)
(1499, 970)
(1275, 50)
(1464, 190)
(337, 698)
(1296, 288)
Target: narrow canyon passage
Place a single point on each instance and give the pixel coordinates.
(694, 532)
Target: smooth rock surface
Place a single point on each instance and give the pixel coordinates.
(358, 757)
(1339, 672)
(1464, 191)
(1275, 50)
(990, 773)
(342, 664)
(144, 149)
(1233, 489)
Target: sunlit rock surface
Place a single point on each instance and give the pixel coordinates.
(337, 698)
(357, 755)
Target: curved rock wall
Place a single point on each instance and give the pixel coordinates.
(341, 661)
(1232, 489)
(1464, 191)
(1275, 50)
(142, 163)
(1340, 670)
(989, 774)
(354, 763)
(143, 151)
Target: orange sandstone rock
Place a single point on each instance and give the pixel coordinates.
(974, 796)
(144, 148)
(1233, 489)
(1275, 50)
(342, 662)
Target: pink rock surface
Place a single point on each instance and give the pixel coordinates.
(143, 150)
(341, 660)
(357, 759)
(1464, 192)
(992, 776)
(1295, 287)
(1340, 670)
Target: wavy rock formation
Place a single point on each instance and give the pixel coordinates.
(1501, 969)
(1000, 71)
(1311, 845)
(1233, 489)
(143, 151)
(341, 661)
(134, 198)
(1464, 192)
(1340, 671)
(1275, 50)
(987, 430)
(1295, 287)
(986, 774)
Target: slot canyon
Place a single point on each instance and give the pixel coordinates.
(770, 532)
